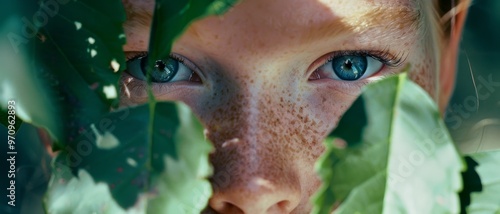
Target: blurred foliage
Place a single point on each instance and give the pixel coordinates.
(477, 127)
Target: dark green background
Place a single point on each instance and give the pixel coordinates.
(479, 129)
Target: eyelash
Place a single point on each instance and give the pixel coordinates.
(140, 86)
(137, 55)
(385, 56)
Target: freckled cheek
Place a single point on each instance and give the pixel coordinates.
(330, 106)
(424, 74)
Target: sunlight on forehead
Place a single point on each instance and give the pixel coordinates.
(361, 16)
(263, 26)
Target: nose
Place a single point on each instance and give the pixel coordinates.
(258, 196)
(255, 168)
(262, 159)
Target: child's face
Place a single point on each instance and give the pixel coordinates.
(259, 79)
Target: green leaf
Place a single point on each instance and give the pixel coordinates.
(17, 81)
(171, 18)
(89, 53)
(487, 200)
(84, 63)
(158, 151)
(171, 171)
(405, 162)
(79, 194)
(182, 186)
(67, 70)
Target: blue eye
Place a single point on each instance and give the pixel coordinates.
(348, 68)
(169, 70)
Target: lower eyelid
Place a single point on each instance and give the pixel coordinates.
(353, 88)
(342, 87)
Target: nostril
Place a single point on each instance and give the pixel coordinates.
(226, 207)
(231, 208)
(255, 195)
(283, 205)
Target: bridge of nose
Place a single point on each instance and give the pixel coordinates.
(261, 129)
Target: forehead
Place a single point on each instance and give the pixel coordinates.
(267, 22)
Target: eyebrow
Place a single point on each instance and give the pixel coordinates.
(137, 15)
(393, 18)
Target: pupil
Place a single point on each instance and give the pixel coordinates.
(348, 64)
(160, 65)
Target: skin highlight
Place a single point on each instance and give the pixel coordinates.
(263, 114)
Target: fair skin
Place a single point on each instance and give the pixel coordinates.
(259, 79)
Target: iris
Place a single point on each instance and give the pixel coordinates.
(350, 68)
(163, 71)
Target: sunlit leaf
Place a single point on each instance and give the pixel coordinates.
(406, 162)
(487, 200)
(182, 186)
(171, 170)
(80, 194)
(66, 73)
